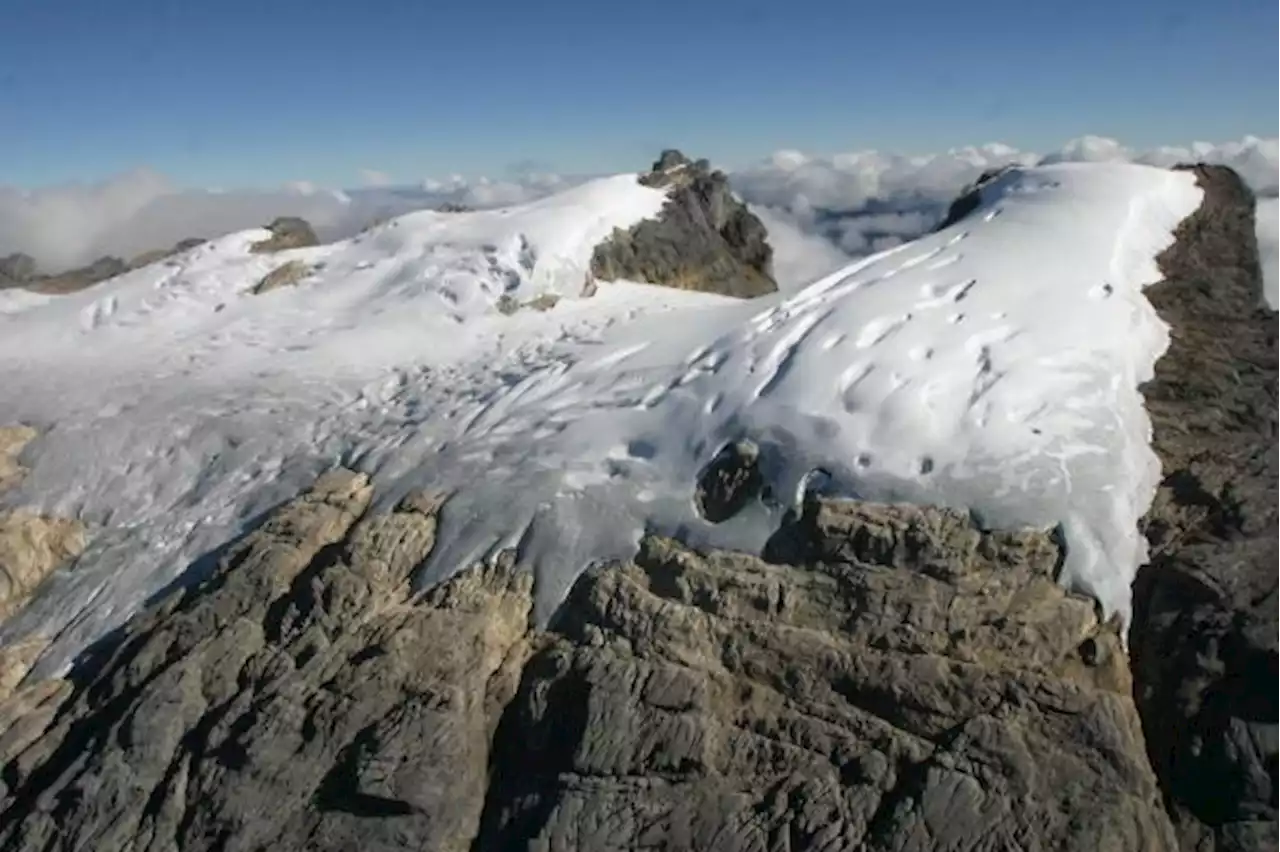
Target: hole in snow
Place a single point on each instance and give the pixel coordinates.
(641, 450)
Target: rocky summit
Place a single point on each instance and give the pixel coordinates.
(704, 238)
(883, 677)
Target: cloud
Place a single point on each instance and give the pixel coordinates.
(484, 192)
(1269, 248)
(820, 211)
(67, 226)
(799, 257)
(867, 201)
(373, 177)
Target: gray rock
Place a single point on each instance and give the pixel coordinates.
(703, 239)
(723, 703)
(1205, 624)
(287, 232)
(303, 697)
(300, 697)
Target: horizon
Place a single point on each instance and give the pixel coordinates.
(245, 96)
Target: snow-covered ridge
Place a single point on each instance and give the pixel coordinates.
(993, 365)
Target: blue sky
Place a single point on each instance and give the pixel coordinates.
(241, 93)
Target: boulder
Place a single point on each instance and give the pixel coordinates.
(704, 238)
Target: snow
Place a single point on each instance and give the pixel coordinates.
(991, 366)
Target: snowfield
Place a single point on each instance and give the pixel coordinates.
(991, 366)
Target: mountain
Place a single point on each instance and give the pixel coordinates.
(435, 546)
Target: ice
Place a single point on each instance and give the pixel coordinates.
(992, 366)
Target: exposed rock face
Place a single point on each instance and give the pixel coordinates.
(287, 232)
(724, 703)
(32, 546)
(287, 274)
(703, 239)
(299, 698)
(914, 684)
(1204, 634)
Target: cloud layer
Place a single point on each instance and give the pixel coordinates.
(68, 226)
(1269, 247)
(868, 201)
(820, 210)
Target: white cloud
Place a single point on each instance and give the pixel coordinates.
(819, 209)
(1269, 248)
(68, 226)
(373, 177)
(866, 201)
(798, 257)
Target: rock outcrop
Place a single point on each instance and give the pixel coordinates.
(287, 232)
(33, 546)
(1204, 635)
(301, 697)
(703, 239)
(896, 680)
(288, 274)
